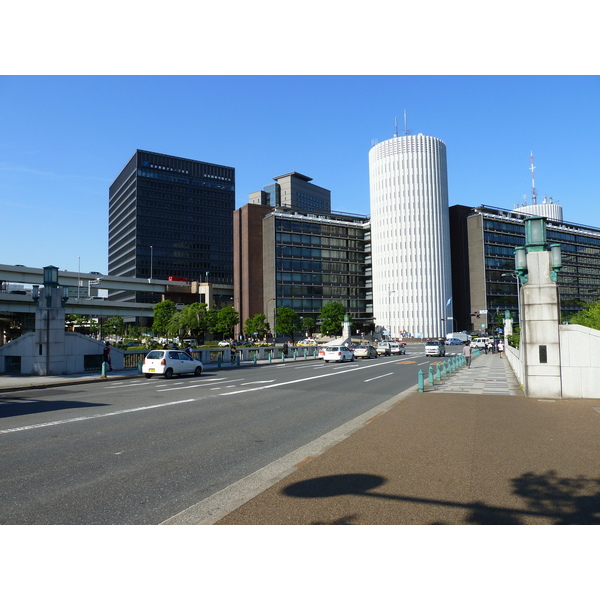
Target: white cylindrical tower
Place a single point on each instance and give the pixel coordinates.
(410, 236)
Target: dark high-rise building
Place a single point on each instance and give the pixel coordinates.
(171, 217)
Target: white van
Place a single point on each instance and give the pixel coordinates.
(480, 342)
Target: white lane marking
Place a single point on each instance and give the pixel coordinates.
(378, 377)
(349, 369)
(124, 385)
(175, 402)
(97, 416)
(255, 382)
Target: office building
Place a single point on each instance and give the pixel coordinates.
(294, 191)
(171, 217)
(410, 236)
(484, 239)
(286, 256)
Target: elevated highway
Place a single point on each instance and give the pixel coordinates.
(23, 303)
(35, 276)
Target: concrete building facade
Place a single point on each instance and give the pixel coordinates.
(412, 284)
(286, 256)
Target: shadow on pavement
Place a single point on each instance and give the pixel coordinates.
(26, 406)
(555, 499)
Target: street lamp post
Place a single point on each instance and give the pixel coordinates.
(518, 282)
(274, 309)
(390, 292)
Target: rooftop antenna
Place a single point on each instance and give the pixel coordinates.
(533, 192)
(406, 131)
(396, 134)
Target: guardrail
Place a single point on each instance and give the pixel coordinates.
(131, 358)
(443, 370)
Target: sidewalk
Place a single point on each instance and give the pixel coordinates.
(471, 451)
(489, 374)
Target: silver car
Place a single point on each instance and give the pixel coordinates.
(337, 354)
(169, 363)
(435, 348)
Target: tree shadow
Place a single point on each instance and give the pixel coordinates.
(15, 407)
(549, 497)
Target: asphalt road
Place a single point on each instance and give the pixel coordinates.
(140, 451)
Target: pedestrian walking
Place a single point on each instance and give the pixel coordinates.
(500, 348)
(467, 353)
(106, 355)
(233, 351)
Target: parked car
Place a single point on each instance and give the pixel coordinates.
(365, 351)
(169, 363)
(384, 348)
(337, 354)
(435, 348)
(397, 348)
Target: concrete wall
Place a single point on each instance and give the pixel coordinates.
(514, 360)
(76, 346)
(580, 361)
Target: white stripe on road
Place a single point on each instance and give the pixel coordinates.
(350, 368)
(99, 416)
(378, 377)
(175, 402)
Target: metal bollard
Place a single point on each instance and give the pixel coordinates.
(304, 353)
(430, 375)
(140, 367)
(282, 357)
(219, 360)
(238, 360)
(444, 372)
(295, 353)
(437, 372)
(103, 375)
(270, 356)
(420, 380)
(255, 359)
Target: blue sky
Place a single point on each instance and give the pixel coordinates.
(63, 139)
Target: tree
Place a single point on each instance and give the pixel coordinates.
(332, 317)
(256, 324)
(589, 317)
(163, 313)
(286, 322)
(192, 319)
(308, 325)
(227, 319)
(114, 326)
